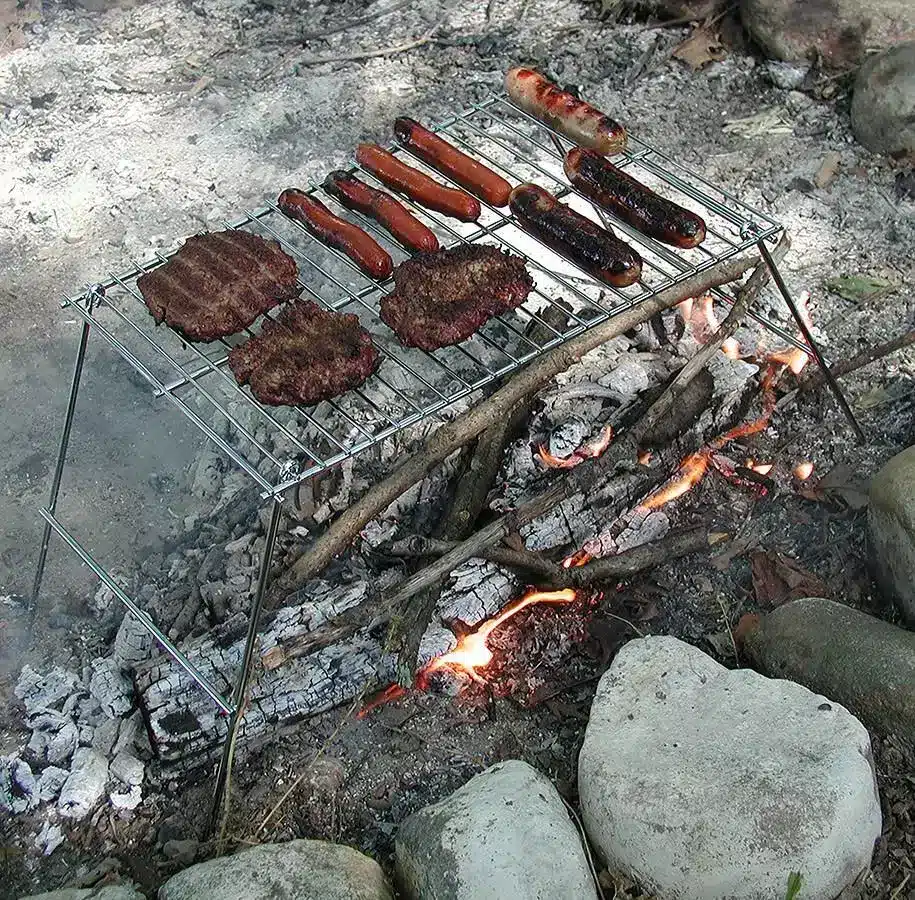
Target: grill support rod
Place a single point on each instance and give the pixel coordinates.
(811, 343)
(62, 453)
(241, 686)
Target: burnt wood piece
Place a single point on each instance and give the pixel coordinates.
(218, 283)
(307, 355)
(443, 298)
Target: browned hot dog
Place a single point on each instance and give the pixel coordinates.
(360, 247)
(577, 120)
(628, 199)
(356, 194)
(574, 236)
(416, 185)
(466, 171)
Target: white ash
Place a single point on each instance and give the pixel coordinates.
(436, 641)
(18, 787)
(41, 692)
(568, 437)
(54, 738)
(110, 688)
(50, 782)
(570, 522)
(106, 733)
(85, 786)
(132, 643)
(477, 590)
(637, 527)
(629, 377)
(49, 838)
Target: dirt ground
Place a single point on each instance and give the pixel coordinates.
(126, 128)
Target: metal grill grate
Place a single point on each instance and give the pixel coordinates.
(279, 447)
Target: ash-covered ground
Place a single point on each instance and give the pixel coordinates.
(123, 130)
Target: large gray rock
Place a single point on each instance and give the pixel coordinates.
(505, 835)
(298, 870)
(704, 782)
(108, 892)
(863, 663)
(883, 103)
(837, 31)
(891, 527)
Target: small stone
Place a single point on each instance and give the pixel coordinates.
(700, 781)
(883, 102)
(503, 834)
(181, 852)
(891, 527)
(50, 782)
(85, 786)
(855, 659)
(787, 76)
(110, 688)
(306, 870)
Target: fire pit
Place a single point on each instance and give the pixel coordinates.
(280, 450)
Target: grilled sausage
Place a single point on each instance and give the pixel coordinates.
(406, 228)
(360, 247)
(578, 121)
(416, 185)
(574, 236)
(447, 159)
(622, 196)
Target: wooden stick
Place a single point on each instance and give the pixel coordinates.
(865, 358)
(629, 562)
(468, 425)
(369, 54)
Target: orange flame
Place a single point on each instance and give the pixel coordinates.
(472, 653)
(392, 692)
(803, 470)
(688, 476)
(589, 450)
(795, 359)
(579, 558)
(761, 468)
(730, 347)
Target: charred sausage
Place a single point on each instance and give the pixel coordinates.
(622, 196)
(574, 236)
(406, 228)
(447, 159)
(360, 247)
(578, 121)
(416, 185)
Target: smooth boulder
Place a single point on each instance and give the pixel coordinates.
(297, 870)
(883, 103)
(700, 781)
(107, 892)
(861, 662)
(505, 835)
(891, 530)
(838, 32)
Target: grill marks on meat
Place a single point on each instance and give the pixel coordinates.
(443, 298)
(219, 283)
(305, 356)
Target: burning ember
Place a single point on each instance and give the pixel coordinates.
(803, 470)
(730, 347)
(590, 450)
(471, 653)
(687, 477)
(760, 468)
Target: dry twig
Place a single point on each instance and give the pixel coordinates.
(369, 54)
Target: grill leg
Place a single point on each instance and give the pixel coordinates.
(808, 337)
(241, 687)
(61, 459)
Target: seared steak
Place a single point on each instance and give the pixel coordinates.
(443, 298)
(218, 284)
(306, 355)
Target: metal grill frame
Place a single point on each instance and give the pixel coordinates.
(495, 121)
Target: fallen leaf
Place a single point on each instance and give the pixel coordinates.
(828, 170)
(762, 124)
(778, 578)
(702, 47)
(722, 561)
(860, 287)
(841, 486)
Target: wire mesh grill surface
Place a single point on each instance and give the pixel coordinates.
(280, 446)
